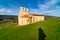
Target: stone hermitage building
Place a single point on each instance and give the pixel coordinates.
(25, 17)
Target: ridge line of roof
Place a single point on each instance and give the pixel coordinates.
(37, 14)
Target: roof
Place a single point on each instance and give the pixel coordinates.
(26, 16)
(36, 14)
(29, 15)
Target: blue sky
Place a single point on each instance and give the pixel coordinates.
(46, 7)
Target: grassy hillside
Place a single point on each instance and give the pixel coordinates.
(30, 32)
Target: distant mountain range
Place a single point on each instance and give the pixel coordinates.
(12, 17)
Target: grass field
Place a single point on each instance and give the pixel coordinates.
(30, 32)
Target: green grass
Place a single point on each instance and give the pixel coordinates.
(30, 32)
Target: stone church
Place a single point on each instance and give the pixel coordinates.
(25, 17)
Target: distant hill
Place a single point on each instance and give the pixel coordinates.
(13, 17)
(51, 28)
(51, 17)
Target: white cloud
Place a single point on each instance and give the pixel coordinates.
(31, 10)
(49, 11)
(2, 9)
(5, 11)
(47, 5)
(44, 8)
(52, 2)
(9, 11)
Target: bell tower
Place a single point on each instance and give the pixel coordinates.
(23, 10)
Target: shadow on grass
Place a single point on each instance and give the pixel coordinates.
(42, 35)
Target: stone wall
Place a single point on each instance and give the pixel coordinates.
(38, 18)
